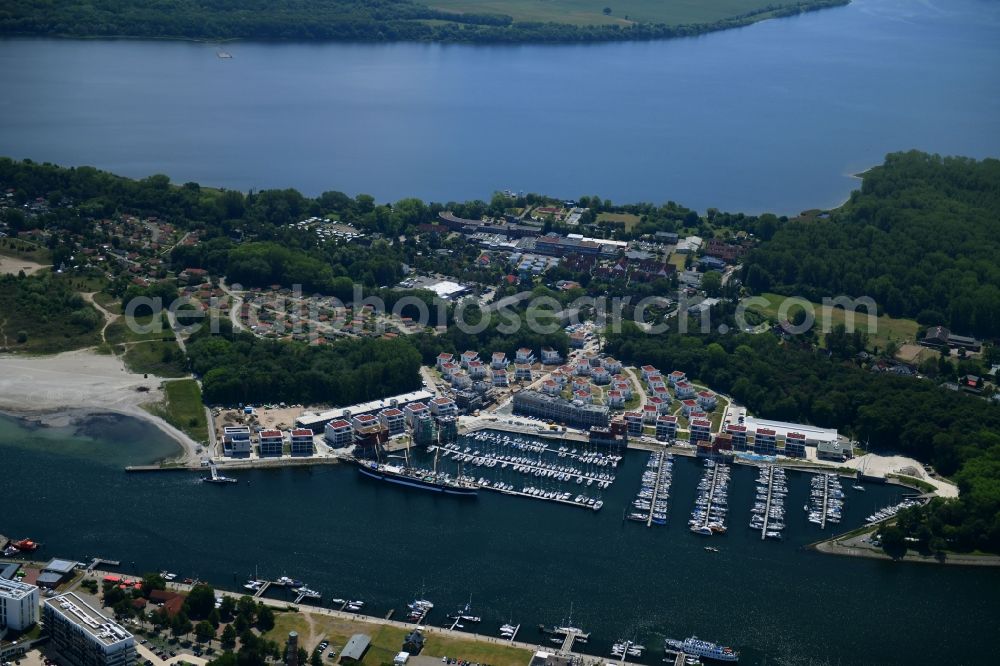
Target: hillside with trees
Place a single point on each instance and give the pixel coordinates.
(366, 21)
(921, 237)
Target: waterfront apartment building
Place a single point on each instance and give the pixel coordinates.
(633, 423)
(443, 407)
(666, 427)
(302, 442)
(739, 435)
(236, 441)
(574, 414)
(765, 442)
(84, 637)
(18, 605)
(701, 430)
(339, 433)
(795, 445)
(414, 411)
(272, 444)
(392, 419)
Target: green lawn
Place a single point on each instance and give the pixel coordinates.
(20, 249)
(388, 641)
(623, 12)
(184, 409)
(627, 220)
(886, 328)
(118, 331)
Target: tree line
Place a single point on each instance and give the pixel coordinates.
(241, 368)
(921, 237)
(335, 20)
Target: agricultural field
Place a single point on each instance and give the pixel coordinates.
(623, 12)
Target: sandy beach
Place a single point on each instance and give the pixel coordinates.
(56, 389)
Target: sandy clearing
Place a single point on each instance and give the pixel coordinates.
(13, 265)
(877, 465)
(81, 380)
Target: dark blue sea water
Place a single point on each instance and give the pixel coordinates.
(519, 559)
(776, 116)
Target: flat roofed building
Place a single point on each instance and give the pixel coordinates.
(18, 605)
(302, 442)
(442, 406)
(317, 421)
(393, 420)
(414, 411)
(575, 413)
(765, 441)
(739, 435)
(272, 443)
(84, 637)
(813, 434)
(666, 427)
(633, 423)
(339, 433)
(795, 445)
(701, 430)
(838, 451)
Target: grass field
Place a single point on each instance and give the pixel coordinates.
(13, 247)
(183, 409)
(162, 358)
(886, 328)
(626, 220)
(388, 641)
(623, 12)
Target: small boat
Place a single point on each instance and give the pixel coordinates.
(858, 486)
(26, 545)
(712, 549)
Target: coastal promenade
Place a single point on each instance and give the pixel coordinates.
(279, 605)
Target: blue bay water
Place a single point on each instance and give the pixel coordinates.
(776, 116)
(519, 559)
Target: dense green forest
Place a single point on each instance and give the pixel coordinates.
(955, 432)
(344, 20)
(243, 368)
(921, 237)
(43, 314)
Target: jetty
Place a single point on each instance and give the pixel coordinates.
(660, 488)
(713, 496)
(100, 561)
(768, 521)
(262, 589)
(307, 594)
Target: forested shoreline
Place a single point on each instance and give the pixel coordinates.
(913, 209)
(335, 20)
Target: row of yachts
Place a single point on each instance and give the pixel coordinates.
(826, 500)
(768, 513)
(891, 511)
(651, 502)
(534, 446)
(712, 504)
(528, 465)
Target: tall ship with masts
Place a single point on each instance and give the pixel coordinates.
(406, 474)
